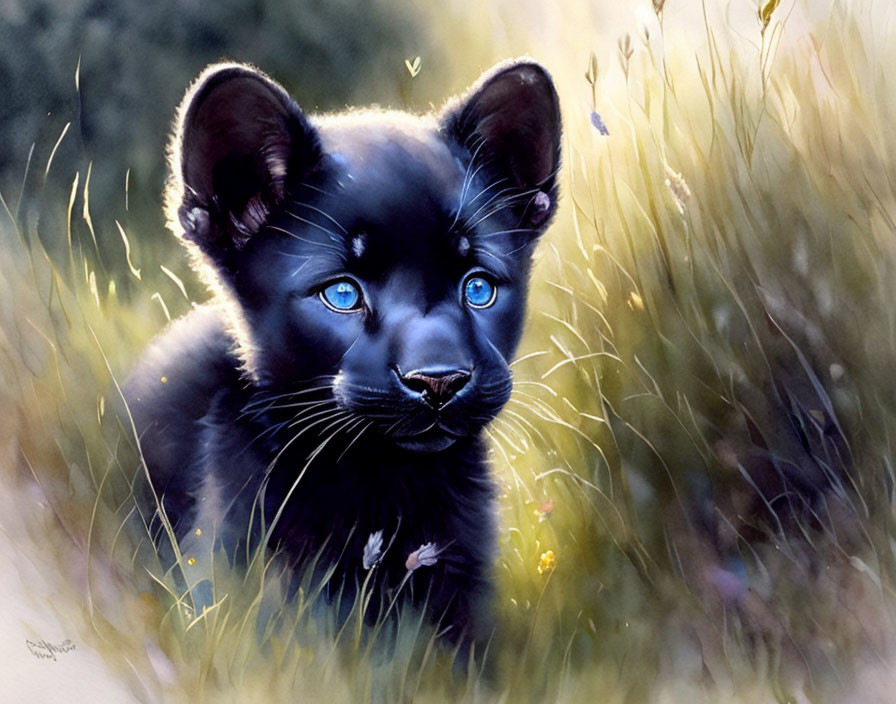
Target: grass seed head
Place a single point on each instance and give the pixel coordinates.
(373, 550)
(425, 556)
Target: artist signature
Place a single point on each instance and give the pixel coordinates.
(44, 650)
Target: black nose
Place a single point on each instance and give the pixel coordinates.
(437, 387)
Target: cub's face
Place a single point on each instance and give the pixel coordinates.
(378, 273)
(380, 259)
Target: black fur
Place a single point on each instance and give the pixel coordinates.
(268, 413)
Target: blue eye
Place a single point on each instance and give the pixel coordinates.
(479, 292)
(342, 296)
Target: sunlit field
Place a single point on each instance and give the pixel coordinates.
(696, 465)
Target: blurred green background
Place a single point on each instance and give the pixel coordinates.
(116, 71)
(696, 465)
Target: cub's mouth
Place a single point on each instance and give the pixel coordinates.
(434, 439)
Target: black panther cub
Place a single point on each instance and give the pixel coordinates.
(370, 273)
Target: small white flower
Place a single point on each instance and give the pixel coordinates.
(373, 550)
(425, 556)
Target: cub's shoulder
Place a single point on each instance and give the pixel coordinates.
(185, 363)
(174, 383)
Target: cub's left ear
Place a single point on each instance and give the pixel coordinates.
(240, 141)
(510, 120)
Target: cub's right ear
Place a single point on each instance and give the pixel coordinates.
(240, 141)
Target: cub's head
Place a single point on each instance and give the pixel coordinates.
(381, 256)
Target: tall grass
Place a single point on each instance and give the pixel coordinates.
(696, 464)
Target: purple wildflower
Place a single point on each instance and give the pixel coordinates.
(599, 124)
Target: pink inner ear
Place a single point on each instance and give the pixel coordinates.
(252, 219)
(276, 159)
(541, 205)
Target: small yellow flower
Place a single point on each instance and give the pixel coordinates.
(192, 561)
(547, 562)
(198, 532)
(164, 379)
